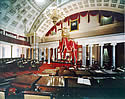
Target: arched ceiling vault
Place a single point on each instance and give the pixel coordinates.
(29, 16)
(18, 16)
(78, 6)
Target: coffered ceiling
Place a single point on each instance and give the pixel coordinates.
(18, 16)
(29, 16)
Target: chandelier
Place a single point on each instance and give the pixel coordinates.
(55, 15)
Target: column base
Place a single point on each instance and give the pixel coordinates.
(44, 62)
(83, 65)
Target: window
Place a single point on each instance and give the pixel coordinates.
(106, 20)
(1, 31)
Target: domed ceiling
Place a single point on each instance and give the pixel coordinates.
(29, 16)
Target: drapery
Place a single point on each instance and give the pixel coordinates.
(83, 14)
(67, 19)
(92, 13)
(58, 24)
(52, 29)
(106, 13)
(77, 16)
(68, 46)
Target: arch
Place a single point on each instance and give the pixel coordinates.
(73, 7)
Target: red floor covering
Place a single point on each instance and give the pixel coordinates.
(41, 68)
(11, 74)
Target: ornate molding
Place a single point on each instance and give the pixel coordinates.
(111, 38)
(49, 45)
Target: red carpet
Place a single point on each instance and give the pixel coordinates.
(11, 74)
(43, 67)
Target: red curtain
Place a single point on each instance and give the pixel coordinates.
(69, 46)
(77, 16)
(83, 14)
(106, 13)
(74, 16)
(49, 32)
(92, 13)
(67, 19)
(61, 25)
(58, 24)
(12, 91)
(55, 28)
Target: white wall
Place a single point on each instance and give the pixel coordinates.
(17, 50)
(7, 51)
(84, 26)
(14, 51)
(0, 51)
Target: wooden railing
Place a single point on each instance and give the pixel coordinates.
(13, 40)
(18, 64)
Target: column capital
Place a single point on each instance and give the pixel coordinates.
(114, 44)
(90, 45)
(54, 47)
(101, 44)
(84, 44)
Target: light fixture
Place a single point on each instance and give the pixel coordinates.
(55, 19)
(55, 15)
